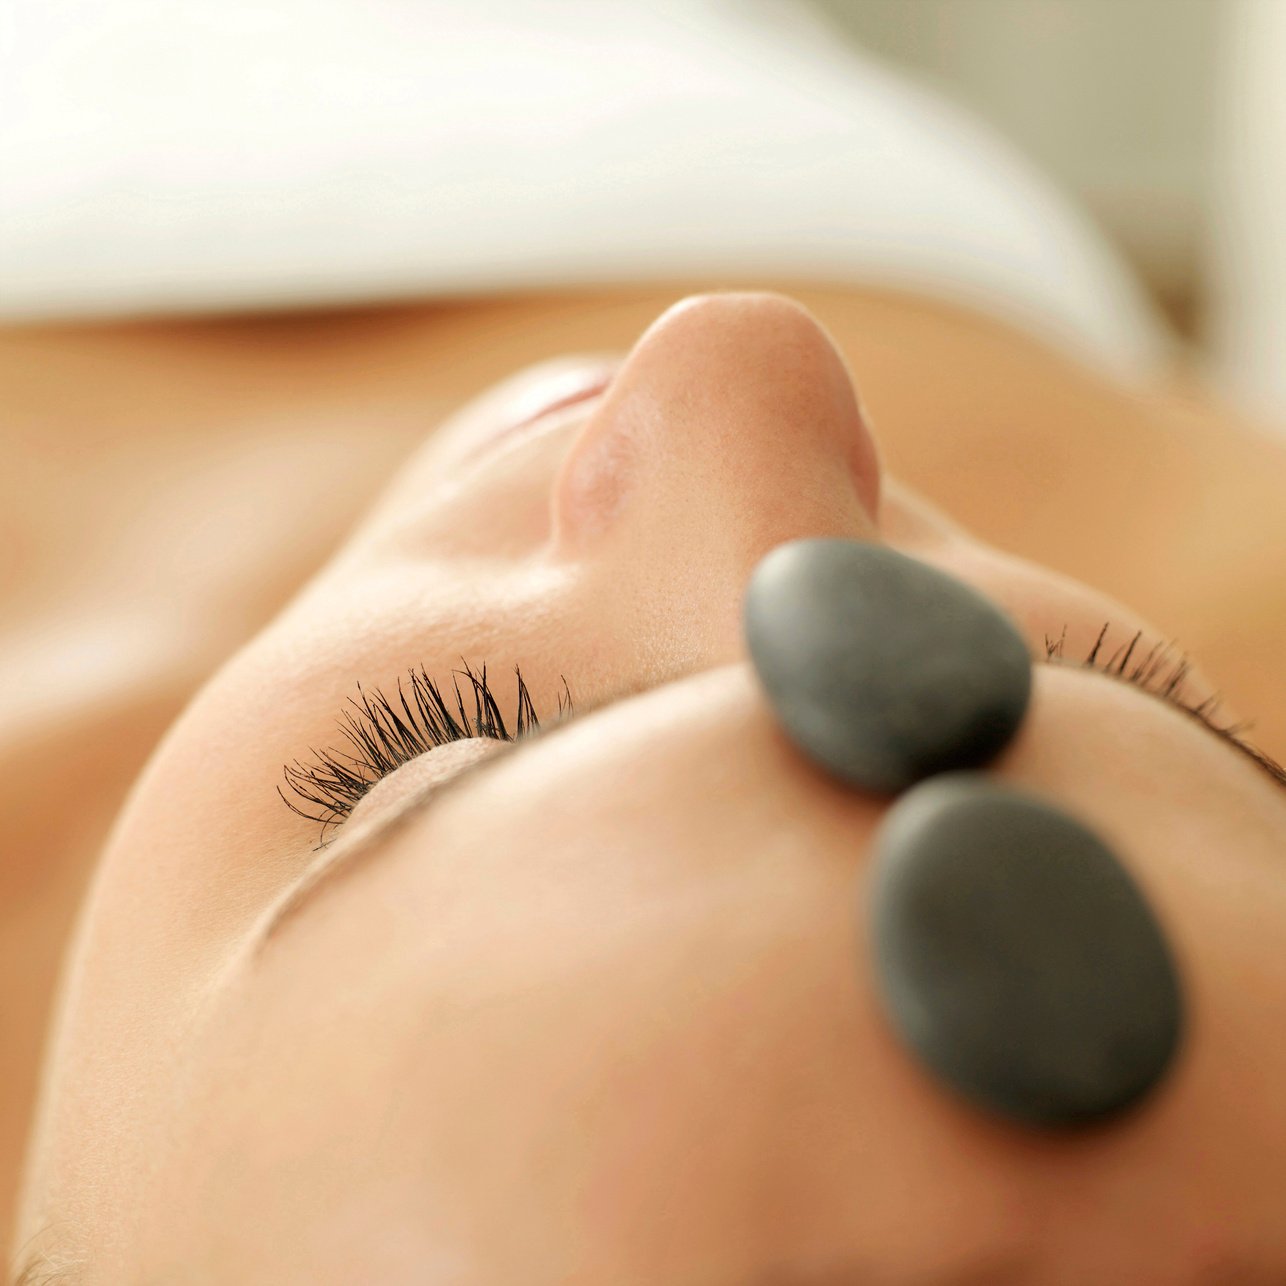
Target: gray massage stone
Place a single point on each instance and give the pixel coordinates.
(1016, 957)
(882, 669)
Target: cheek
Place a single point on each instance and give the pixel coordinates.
(496, 507)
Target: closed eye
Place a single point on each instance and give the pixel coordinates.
(1163, 676)
(373, 838)
(388, 733)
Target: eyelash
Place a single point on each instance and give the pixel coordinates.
(386, 738)
(1169, 686)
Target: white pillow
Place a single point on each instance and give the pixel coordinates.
(161, 156)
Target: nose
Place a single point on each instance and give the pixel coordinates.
(733, 425)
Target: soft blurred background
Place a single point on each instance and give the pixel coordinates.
(1166, 119)
(1161, 119)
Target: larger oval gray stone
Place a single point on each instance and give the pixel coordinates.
(882, 669)
(1017, 957)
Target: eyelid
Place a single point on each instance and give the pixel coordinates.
(386, 734)
(607, 699)
(504, 748)
(366, 836)
(364, 841)
(386, 742)
(1196, 713)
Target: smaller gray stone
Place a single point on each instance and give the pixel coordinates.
(883, 669)
(1017, 957)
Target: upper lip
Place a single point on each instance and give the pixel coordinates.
(595, 384)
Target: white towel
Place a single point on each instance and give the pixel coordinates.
(206, 155)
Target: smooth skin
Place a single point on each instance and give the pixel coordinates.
(604, 1014)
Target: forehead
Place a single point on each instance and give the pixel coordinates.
(655, 1059)
(510, 1030)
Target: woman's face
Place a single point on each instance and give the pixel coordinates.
(600, 1010)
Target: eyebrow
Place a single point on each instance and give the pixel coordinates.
(383, 832)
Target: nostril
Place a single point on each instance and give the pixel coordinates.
(600, 469)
